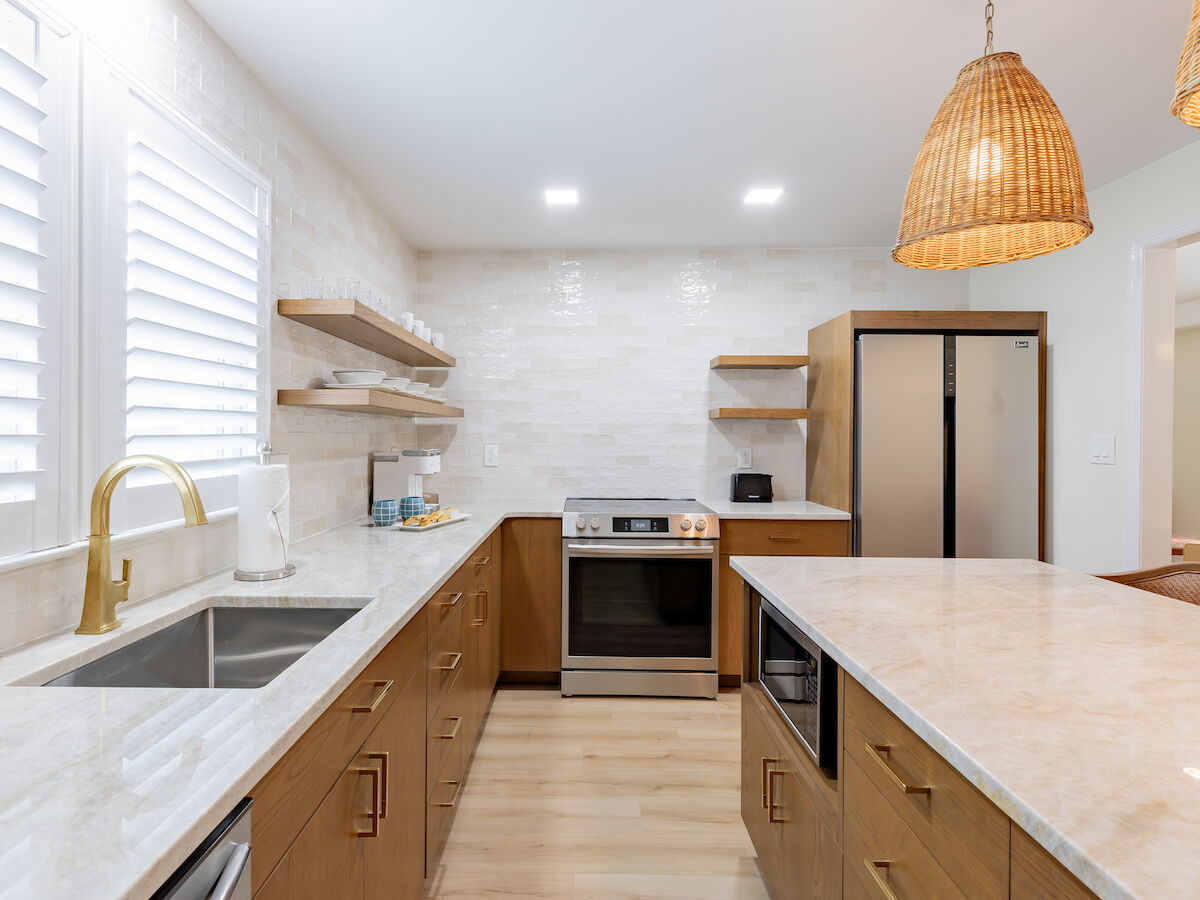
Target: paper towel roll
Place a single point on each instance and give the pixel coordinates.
(263, 518)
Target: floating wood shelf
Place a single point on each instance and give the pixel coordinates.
(758, 362)
(362, 326)
(726, 412)
(378, 402)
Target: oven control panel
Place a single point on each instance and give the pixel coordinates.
(694, 526)
(651, 525)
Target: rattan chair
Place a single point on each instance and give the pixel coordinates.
(1181, 581)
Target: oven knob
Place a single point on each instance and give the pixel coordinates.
(595, 523)
(581, 523)
(686, 524)
(701, 525)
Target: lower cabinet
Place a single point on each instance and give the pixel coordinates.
(361, 805)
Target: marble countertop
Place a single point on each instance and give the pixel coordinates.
(105, 791)
(1068, 700)
(780, 509)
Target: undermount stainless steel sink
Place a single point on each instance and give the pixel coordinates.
(218, 647)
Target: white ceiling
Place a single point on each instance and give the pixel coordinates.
(456, 114)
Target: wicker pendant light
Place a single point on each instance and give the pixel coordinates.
(998, 178)
(1186, 105)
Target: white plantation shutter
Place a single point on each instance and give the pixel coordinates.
(194, 313)
(30, 282)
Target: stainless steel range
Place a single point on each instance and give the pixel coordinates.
(639, 598)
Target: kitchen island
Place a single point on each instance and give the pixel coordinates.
(1068, 701)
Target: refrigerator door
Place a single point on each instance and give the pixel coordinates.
(900, 430)
(996, 447)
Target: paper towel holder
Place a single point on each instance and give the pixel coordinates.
(264, 459)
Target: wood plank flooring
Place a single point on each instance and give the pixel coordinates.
(603, 799)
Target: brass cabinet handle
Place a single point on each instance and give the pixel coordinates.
(452, 602)
(453, 731)
(771, 804)
(873, 866)
(453, 800)
(766, 760)
(482, 620)
(783, 538)
(374, 704)
(482, 561)
(457, 657)
(382, 756)
(877, 751)
(374, 813)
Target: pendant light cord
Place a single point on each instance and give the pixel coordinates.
(987, 14)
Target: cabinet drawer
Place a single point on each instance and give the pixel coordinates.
(962, 828)
(482, 563)
(449, 600)
(875, 834)
(443, 795)
(290, 793)
(1036, 875)
(447, 730)
(789, 537)
(447, 658)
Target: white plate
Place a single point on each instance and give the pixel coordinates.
(360, 387)
(454, 517)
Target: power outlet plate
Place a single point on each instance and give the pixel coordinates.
(745, 458)
(491, 455)
(1102, 449)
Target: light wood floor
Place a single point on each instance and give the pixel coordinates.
(604, 799)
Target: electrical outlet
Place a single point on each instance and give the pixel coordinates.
(1102, 449)
(744, 458)
(491, 454)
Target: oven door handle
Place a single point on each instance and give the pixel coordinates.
(625, 552)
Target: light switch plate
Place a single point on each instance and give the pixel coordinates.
(491, 455)
(744, 458)
(1102, 449)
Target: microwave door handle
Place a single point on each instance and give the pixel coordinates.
(231, 875)
(609, 550)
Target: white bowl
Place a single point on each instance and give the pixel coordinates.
(416, 387)
(359, 376)
(396, 382)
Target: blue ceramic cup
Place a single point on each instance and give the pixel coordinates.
(385, 512)
(412, 506)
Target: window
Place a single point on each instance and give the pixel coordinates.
(34, 85)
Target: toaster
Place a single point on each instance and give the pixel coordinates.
(750, 487)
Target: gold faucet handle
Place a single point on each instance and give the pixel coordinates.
(126, 574)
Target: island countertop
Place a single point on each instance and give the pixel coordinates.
(1070, 701)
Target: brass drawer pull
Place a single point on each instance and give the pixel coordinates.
(453, 800)
(452, 602)
(783, 538)
(766, 760)
(383, 788)
(457, 657)
(873, 866)
(453, 731)
(877, 751)
(771, 804)
(482, 561)
(374, 704)
(482, 620)
(374, 811)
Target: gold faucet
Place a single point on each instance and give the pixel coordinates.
(101, 594)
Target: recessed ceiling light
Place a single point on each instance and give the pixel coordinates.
(762, 196)
(562, 196)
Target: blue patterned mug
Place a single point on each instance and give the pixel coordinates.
(385, 512)
(412, 506)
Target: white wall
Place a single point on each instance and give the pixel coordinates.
(323, 224)
(1084, 290)
(590, 369)
(1185, 497)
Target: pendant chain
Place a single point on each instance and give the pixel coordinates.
(987, 14)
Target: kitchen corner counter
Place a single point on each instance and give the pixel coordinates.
(1068, 700)
(778, 510)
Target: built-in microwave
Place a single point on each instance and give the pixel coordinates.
(801, 680)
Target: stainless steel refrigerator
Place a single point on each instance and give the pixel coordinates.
(946, 445)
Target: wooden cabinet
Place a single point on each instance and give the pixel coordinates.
(793, 829)
(763, 537)
(531, 629)
(1036, 875)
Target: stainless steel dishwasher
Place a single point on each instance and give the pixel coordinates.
(219, 869)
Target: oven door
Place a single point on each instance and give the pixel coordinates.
(640, 604)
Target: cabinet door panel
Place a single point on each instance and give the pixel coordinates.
(811, 858)
(760, 755)
(531, 642)
(1036, 875)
